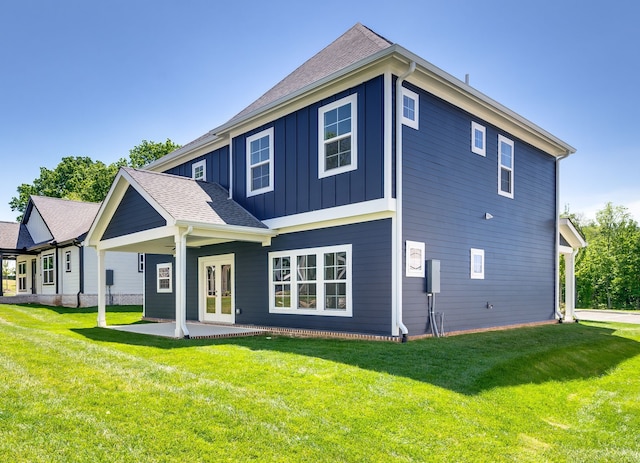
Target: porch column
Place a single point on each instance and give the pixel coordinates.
(569, 286)
(180, 285)
(102, 316)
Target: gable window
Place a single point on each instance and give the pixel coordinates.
(22, 276)
(164, 277)
(47, 269)
(311, 281)
(337, 137)
(260, 162)
(67, 261)
(505, 166)
(477, 264)
(140, 263)
(199, 170)
(410, 108)
(478, 139)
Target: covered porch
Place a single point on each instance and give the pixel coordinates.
(153, 213)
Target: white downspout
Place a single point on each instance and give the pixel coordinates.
(399, 237)
(230, 166)
(181, 284)
(558, 315)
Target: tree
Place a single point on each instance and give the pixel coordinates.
(149, 151)
(608, 270)
(82, 179)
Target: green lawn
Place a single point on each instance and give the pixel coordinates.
(70, 392)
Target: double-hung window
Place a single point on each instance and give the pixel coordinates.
(337, 137)
(47, 269)
(67, 261)
(260, 162)
(410, 108)
(22, 276)
(164, 274)
(311, 281)
(505, 166)
(199, 170)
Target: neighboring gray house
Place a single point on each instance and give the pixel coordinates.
(52, 264)
(323, 205)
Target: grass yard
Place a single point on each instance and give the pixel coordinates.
(70, 392)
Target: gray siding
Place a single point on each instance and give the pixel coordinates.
(447, 190)
(133, 214)
(371, 272)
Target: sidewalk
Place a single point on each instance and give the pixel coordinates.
(628, 316)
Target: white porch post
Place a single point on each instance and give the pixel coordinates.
(102, 316)
(570, 286)
(180, 279)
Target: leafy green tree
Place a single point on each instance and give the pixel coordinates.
(608, 270)
(82, 179)
(149, 151)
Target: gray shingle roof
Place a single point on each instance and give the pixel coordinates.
(14, 236)
(66, 219)
(354, 45)
(188, 200)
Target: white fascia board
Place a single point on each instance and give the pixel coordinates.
(571, 234)
(340, 215)
(230, 232)
(138, 237)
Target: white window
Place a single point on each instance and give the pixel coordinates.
(311, 281)
(140, 263)
(22, 276)
(477, 264)
(505, 166)
(199, 170)
(478, 139)
(67, 261)
(410, 108)
(415, 259)
(260, 162)
(47, 269)
(164, 277)
(337, 137)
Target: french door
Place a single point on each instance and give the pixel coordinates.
(216, 288)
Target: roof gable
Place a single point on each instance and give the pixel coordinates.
(65, 219)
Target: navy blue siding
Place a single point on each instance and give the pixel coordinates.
(371, 285)
(133, 214)
(217, 169)
(447, 190)
(158, 305)
(297, 187)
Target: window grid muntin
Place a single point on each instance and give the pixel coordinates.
(47, 270)
(506, 158)
(337, 137)
(478, 139)
(259, 157)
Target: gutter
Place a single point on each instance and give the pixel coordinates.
(398, 230)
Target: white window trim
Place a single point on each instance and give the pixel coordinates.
(414, 259)
(48, 281)
(194, 168)
(21, 271)
(322, 173)
(475, 275)
(168, 265)
(475, 127)
(413, 123)
(505, 140)
(320, 281)
(265, 133)
(67, 261)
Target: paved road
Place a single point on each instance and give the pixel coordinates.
(609, 316)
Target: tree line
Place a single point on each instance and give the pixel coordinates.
(608, 269)
(81, 178)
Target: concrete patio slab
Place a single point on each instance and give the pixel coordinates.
(196, 330)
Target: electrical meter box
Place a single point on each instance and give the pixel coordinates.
(109, 277)
(433, 276)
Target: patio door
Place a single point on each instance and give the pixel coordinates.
(216, 288)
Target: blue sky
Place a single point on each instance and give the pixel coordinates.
(89, 78)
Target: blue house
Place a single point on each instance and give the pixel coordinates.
(337, 199)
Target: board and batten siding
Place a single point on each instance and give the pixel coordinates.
(133, 214)
(447, 191)
(297, 187)
(371, 279)
(217, 167)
